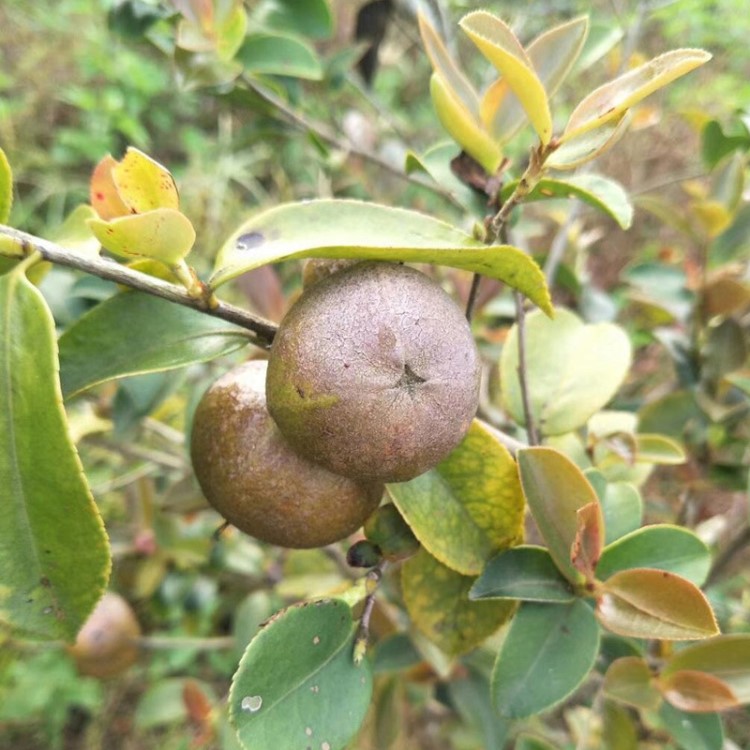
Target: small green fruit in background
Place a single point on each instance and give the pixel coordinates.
(387, 529)
(374, 373)
(107, 644)
(252, 477)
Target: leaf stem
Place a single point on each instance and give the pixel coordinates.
(263, 330)
(374, 577)
(522, 380)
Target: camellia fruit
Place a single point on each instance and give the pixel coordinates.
(374, 373)
(107, 644)
(252, 477)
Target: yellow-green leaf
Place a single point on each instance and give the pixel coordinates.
(355, 229)
(54, 554)
(552, 55)
(573, 370)
(726, 657)
(143, 184)
(556, 489)
(466, 130)
(436, 598)
(608, 102)
(584, 147)
(500, 46)
(658, 449)
(469, 507)
(163, 234)
(75, 233)
(6, 187)
(647, 603)
(444, 66)
(231, 29)
(629, 680)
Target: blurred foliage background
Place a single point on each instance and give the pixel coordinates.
(82, 78)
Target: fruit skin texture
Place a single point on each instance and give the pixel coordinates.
(374, 373)
(107, 643)
(251, 475)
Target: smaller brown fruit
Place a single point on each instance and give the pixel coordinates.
(107, 644)
(253, 478)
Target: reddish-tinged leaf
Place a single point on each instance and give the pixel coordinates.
(105, 199)
(587, 545)
(608, 102)
(629, 680)
(555, 489)
(143, 184)
(698, 692)
(646, 603)
(199, 12)
(726, 657)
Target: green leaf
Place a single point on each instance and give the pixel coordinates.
(546, 655)
(354, 229)
(134, 333)
(610, 101)
(647, 603)
(658, 449)
(601, 193)
(462, 127)
(555, 489)
(621, 503)
(308, 18)
(143, 184)
(163, 234)
(525, 573)
(298, 685)
(471, 697)
(726, 657)
(584, 147)
(437, 599)
(662, 547)
(500, 46)
(75, 234)
(53, 548)
(6, 188)
(436, 162)
(693, 731)
(552, 55)
(273, 54)
(694, 691)
(469, 506)
(573, 370)
(629, 680)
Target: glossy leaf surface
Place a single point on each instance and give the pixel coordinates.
(525, 573)
(143, 184)
(647, 603)
(469, 506)
(437, 600)
(53, 548)
(163, 234)
(699, 692)
(573, 370)
(134, 333)
(547, 653)
(353, 229)
(663, 547)
(555, 489)
(499, 45)
(608, 102)
(297, 683)
(601, 193)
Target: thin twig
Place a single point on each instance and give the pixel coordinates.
(521, 332)
(728, 554)
(473, 293)
(373, 579)
(263, 330)
(332, 139)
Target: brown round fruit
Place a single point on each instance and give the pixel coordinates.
(251, 475)
(374, 373)
(107, 644)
